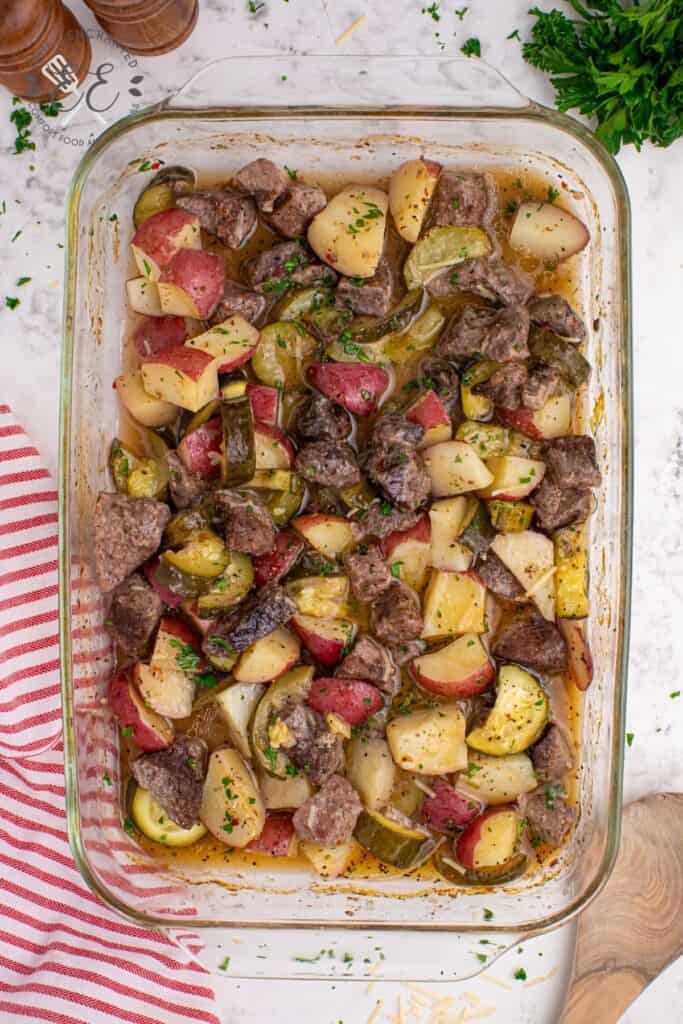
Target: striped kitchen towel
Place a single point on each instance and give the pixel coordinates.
(65, 958)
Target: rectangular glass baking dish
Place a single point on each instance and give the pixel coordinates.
(359, 117)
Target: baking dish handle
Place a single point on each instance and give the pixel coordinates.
(350, 82)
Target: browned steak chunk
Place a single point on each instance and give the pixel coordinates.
(329, 817)
(318, 418)
(504, 386)
(560, 506)
(541, 384)
(394, 465)
(230, 216)
(258, 616)
(496, 577)
(501, 335)
(248, 524)
(395, 431)
(316, 750)
(134, 613)
(548, 815)
(368, 573)
(328, 463)
(186, 488)
(295, 212)
(442, 377)
(175, 778)
(369, 660)
(285, 265)
(395, 615)
(552, 755)
(554, 313)
(405, 652)
(531, 640)
(264, 181)
(369, 296)
(464, 197)
(490, 278)
(381, 518)
(239, 301)
(571, 461)
(127, 532)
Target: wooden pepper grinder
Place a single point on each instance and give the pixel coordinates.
(147, 27)
(44, 52)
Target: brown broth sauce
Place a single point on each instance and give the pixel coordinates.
(514, 186)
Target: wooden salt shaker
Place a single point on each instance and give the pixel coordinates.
(147, 27)
(44, 52)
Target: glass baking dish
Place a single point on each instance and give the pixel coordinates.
(359, 117)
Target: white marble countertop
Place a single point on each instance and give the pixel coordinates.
(33, 190)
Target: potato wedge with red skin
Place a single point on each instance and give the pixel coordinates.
(356, 386)
(166, 595)
(278, 838)
(143, 407)
(267, 658)
(181, 376)
(325, 639)
(273, 449)
(547, 231)
(201, 449)
(430, 413)
(157, 333)
(447, 809)
(192, 284)
(514, 477)
(331, 535)
(150, 731)
(161, 237)
(491, 839)
(354, 700)
(409, 552)
(553, 420)
(264, 402)
(458, 670)
(277, 563)
(231, 342)
(411, 187)
(175, 628)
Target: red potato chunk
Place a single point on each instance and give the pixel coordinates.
(273, 449)
(265, 403)
(354, 700)
(447, 809)
(355, 386)
(273, 565)
(157, 333)
(149, 730)
(192, 284)
(278, 838)
(201, 449)
(161, 237)
(166, 595)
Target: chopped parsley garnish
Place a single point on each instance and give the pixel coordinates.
(272, 757)
(396, 570)
(21, 118)
(188, 659)
(433, 11)
(514, 34)
(226, 963)
(219, 641)
(488, 914)
(23, 280)
(553, 194)
(460, 13)
(129, 826)
(11, 302)
(106, 779)
(471, 47)
(207, 679)
(292, 770)
(630, 736)
(472, 769)
(291, 172)
(520, 974)
(550, 794)
(127, 730)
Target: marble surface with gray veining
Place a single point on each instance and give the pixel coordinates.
(32, 202)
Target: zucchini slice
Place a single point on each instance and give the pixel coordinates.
(392, 843)
(487, 439)
(292, 687)
(204, 555)
(571, 579)
(283, 350)
(307, 300)
(474, 406)
(238, 460)
(448, 867)
(517, 717)
(154, 822)
(229, 588)
(511, 516)
(563, 355)
(443, 247)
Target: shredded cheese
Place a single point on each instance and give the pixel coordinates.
(539, 981)
(454, 865)
(345, 36)
(543, 578)
(424, 787)
(376, 1012)
(497, 981)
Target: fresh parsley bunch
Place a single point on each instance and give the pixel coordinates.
(622, 65)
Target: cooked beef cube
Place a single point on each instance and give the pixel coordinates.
(370, 296)
(548, 815)
(395, 431)
(501, 335)
(134, 613)
(531, 640)
(381, 518)
(554, 313)
(328, 463)
(541, 384)
(369, 660)
(490, 278)
(248, 524)
(560, 506)
(395, 615)
(464, 198)
(314, 749)
(258, 616)
(264, 181)
(401, 475)
(368, 573)
(443, 378)
(127, 532)
(504, 386)
(403, 653)
(571, 461)
(285, 265)
(186, 488)
(318, 418)
(496, 577)
(296, 211)
(238, 300)
(175, 778)
(552, 755)
(329, 817)
(230, 216)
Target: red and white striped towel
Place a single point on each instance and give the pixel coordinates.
(64, 957)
